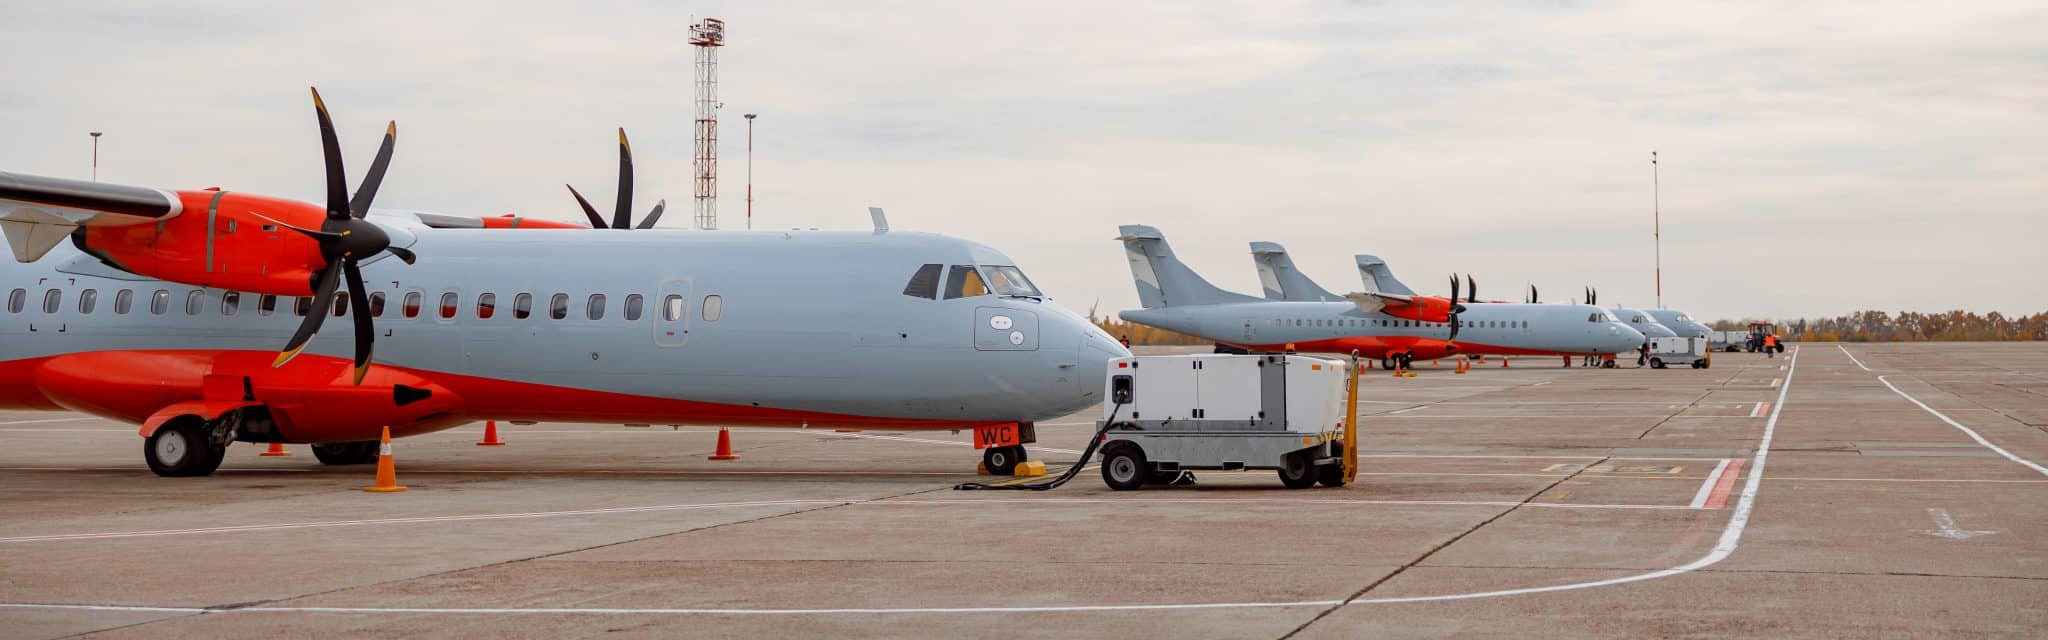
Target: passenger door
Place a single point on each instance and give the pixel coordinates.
(672, 314)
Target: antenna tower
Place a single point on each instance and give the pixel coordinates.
(707, 36)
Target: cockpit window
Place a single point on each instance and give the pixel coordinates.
(964, 282)
(1593, 317)
(1010, 281)
(1604, 315)
(1684, 318)
(924, 283)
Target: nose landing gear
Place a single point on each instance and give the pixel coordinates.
(1002, 461)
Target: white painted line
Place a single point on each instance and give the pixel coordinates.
(1973, 435)
(1758, 412)
(1525, 416)
(1699, 499)
(944, 442)
(1779, 382)
(1730, 540)
(411, 520)
(1594, 456)
(1852, 357)
(63, 430)
(1401, 411)
(50, 420)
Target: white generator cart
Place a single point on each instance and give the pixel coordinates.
(1226, 412)
(1694, 352)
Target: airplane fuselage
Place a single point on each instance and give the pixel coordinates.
(1339, 327)
(645, 326)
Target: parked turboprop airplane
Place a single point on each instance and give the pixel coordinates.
(1283, 281)
(165, 311)
(1376, 324)
(1642, 321)
(1680, 322)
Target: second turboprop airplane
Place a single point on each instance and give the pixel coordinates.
(1377, 324)
(166, 309)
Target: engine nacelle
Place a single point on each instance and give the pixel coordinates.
(1422, 309)
(223, 240)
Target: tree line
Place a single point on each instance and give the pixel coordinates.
(1907, 326)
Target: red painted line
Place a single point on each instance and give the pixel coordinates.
(1761, 407)
(1719, 498)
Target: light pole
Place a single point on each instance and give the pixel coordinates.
(1657, 227)
(750, 170)
(95, 156)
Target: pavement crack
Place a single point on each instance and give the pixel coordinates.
(1439, 547)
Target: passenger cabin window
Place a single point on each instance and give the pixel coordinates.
(1010, 281)
(924, 283)
(411, 308)
(52, 299)
(87, 299)
(634, 304)
(301, 305)
(522, 306)
(123, 301)
(340, 304)
(193, 300)
(594, 308)
(449, 301)
(672, 308)
(17, 299)
(964, 282)
(486, 305)
(230, 303)
(159, 302)
(376, 304)
(266, 305)
(714, 307)
(558, 306)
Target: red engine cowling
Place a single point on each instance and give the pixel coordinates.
(222, 240)
(1422, 309)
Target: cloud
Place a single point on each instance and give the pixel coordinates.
(1818, 157)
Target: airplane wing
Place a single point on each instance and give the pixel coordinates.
(1373, 301)
(37, 212)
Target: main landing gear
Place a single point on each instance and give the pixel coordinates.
(185, 448)
(364, 452)
(1002, 461)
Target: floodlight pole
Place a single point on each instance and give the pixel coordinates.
(1657, 226)
(750, 170)
(95, 156)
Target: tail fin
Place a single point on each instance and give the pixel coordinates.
(1281, 280)
(1379, 278)
(1162, 279)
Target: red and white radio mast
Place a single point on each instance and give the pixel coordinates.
(707, 35)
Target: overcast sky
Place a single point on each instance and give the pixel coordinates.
(1818, 158)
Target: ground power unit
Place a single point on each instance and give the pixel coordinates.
(1692, 352)
(1171, 414)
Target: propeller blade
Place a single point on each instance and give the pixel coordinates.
(405, 255)
(323, 303)
(622, 215)
(1471, 289)
(359, 206)
(1532, 294)
(648, 223)
(1454, 288)
(359, 307)
(596, 221)
(1594, 297)
(330, 148)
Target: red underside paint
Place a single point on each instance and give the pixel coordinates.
(312, 400)
(1382, 346)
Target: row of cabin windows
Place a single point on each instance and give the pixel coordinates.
(1365, 322)
(594, 306)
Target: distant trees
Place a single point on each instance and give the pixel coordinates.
(1141, 334)
(1908, 326)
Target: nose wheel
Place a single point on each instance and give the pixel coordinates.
(1002, 461)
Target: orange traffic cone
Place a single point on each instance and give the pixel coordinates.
(491, 435)
(1503, 363)
(724, 446)
(276, 451)
(387, 477)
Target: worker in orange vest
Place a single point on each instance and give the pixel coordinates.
(1770, 345)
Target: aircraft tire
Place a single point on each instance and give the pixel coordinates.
(1124, 467)
(181, 450)
(1002, 461)
(345, 452)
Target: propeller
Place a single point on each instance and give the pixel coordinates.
(622, 214)
(345, 238)
(1455, 310)
(1471, 289)
(1532, 294)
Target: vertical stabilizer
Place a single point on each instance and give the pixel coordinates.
(1378, 278)
(1163, 281)
(1281, 280)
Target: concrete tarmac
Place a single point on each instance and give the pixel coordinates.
(1808, 495)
